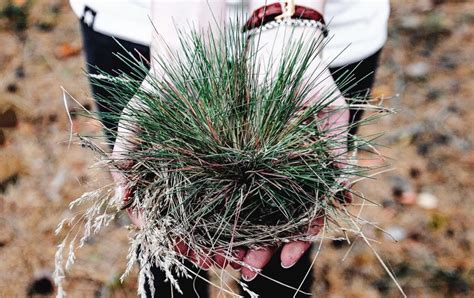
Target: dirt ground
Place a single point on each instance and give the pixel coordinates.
(426, 74)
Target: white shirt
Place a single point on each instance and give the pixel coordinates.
(358, 25)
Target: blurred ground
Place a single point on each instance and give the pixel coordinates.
(427, 198)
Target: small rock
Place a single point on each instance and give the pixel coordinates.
(66, 50)
(399, 185)
(450, 233)
(12, 88)
(8, 119)
(388, 203)
(423, 149)
(41, 285)
(441, 139)
(411, 23)
(382, 285)
(395, 233)
(20, 72)
(427, 201)
(418, 70)
(52, 118)
(433, 94)
(448, 62)
(415, 236)
(415, 172)
(455, 109)
(402, 191)
(407, 198)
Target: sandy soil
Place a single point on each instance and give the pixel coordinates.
(426, 199)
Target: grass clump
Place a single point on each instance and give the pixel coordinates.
(225, 152)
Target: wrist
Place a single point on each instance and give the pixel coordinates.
(273, 15)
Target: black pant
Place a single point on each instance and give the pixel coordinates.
(99, 49)
(361, 76)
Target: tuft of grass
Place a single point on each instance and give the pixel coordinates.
(224, 152)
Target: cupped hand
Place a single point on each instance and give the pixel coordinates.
(256, 259)
(336, 119)
(124, 144)
(249, 260)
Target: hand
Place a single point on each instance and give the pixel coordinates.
(291, 252)
(254, 258)
(335, 120)
(124, 143)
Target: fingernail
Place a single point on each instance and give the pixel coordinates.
(201, 266)
(235, 266)
(249, 278)
(287, 266)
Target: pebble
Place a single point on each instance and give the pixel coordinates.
(418, 70)
(8, 119)
(407, 198)
(433, 94)
(415, 172)
(399, 185)
(66, 50)
(448, 61)
(42, 284)
(12, 88)
(427, 201)
(395, 233)
(402, 191)
(411, 22)
(388, 203)
(20, 72)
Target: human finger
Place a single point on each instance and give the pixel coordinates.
(219, 258)
(293, 251)
(238, 255)
(256, 259)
